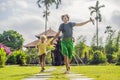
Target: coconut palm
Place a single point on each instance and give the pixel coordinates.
(96, 9)
(46, 4)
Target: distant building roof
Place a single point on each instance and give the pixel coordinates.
(49, 33)
(32, 44)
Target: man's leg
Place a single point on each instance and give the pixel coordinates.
(67, 64)
(70, 52)
(65, 54)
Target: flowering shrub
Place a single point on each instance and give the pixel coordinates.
(7, 49)
(4, 51)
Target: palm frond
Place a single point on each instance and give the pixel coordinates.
(97, 3)
(44, 15)
(48, 3)
(48, 13)
(57, 2)
(38, 3)
(101, 6)
(92, 12)
(108, 27)
(92, 8)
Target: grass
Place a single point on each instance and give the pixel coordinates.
(58, 74)
(18, 72)
(108, 72)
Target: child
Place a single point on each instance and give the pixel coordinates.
(67, 40)
(42, 51)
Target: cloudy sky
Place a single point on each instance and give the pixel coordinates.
(25, 17)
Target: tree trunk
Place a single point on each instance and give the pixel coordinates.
(97, 32)
(46, 18)
(97, 29)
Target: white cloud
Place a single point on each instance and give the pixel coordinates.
(22, 4)
(25, 17)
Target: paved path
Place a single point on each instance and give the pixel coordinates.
(47, 74)
(74, 76)
(42, 76)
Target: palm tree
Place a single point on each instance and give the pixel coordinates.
(96, 9)
(46, 4)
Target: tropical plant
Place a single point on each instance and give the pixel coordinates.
(96, 9)
(118, 59)
(33, 56)
(3, 57)
(98, 57)
(47, 4)
(109, 46)
(117, 42)
(80, 46)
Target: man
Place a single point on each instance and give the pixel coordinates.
(67, 40)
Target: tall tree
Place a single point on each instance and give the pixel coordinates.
(117, 42)
(93, 44)
(12, 39)
(46, 4)
(96, 9)
(109, 46)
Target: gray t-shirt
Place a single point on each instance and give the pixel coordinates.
(67, 29)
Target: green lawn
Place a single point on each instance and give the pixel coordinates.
(99, 72)
(109, 72)
(18, 72)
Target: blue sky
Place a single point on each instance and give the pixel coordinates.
(25, 17)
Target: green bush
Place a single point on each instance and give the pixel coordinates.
(48, 58)
(11, 59)
(21, 57)
(3, 57)
(118, 58)
(98, 57)
(28, 59)
(112, 58)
